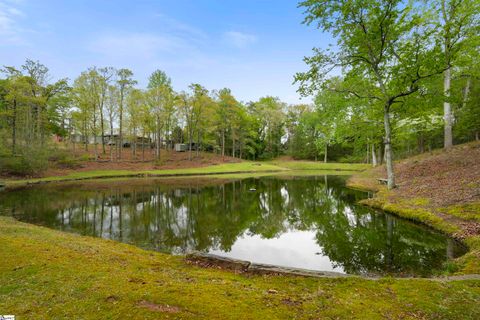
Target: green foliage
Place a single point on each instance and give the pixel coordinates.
(391, 56)
(28, 162)
(63, 159)
(159, 79)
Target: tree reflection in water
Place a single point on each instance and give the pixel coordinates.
(215, 216)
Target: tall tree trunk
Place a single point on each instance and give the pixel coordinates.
(326, 153)
(117, 142)
(223, 144)
(374, 157)
(380, 153)
(112, 140)
(447, 111)
(102, 125)
(95, 146)
(134, 143)
(421, 143)
(190, 138)
(157, 144)
(198, 143)
(143, 146)
(368, 154)
(120, 147)
(85, 138)
(388, 148)
(73, 144)
(95, 133)
(14, 127)
(466, 92)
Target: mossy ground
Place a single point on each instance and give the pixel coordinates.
(468, 211)
(47, 274)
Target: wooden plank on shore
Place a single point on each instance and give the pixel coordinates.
(382, 181)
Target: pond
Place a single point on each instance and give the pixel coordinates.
(310, 222)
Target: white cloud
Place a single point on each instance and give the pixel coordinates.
(171, 42)
(179, 28)
(10, 31)
(239, 39)
(139, 45)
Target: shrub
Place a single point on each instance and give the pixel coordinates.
(63, 159)
(22, 165)
(28, 162)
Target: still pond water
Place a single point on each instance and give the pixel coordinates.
(307, 222)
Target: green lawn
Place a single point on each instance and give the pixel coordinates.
(316, 165)
(48, 274)
(228, 168)
(239, 167)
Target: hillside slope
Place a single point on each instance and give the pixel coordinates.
(440, 189)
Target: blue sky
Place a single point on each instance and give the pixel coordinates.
(252, 47)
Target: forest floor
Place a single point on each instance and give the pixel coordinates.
(440, 189)
(168, 160)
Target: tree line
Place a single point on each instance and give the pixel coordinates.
(205, 120)
(103, 108)
(402, 79)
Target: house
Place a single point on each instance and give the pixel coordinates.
(112, 140)
(77, 138)
(181, 147)
(95, 140)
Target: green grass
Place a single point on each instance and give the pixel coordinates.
(469, 211)
(315, 165)
(241, 167)
(405, 210)
(245, 167)
(48, 274)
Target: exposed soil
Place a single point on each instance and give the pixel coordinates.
(448, 178)
(168, 160)
(158, 307)
(438, 181)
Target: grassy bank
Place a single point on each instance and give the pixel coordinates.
(244, 167)
(240, 167)
(316, 165)
(440, 190)
(50, 274)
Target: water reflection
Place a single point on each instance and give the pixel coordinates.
(309, 222)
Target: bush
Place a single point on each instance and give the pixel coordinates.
(29, 162)
(22, 166)
(351, 159)
(85, 157)
(63, 159)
